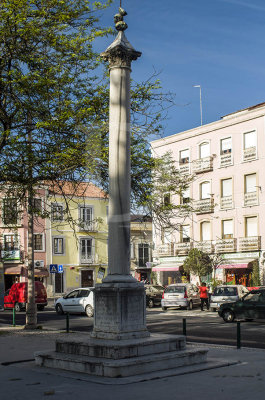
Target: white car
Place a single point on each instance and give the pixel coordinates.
(79, 300)
(226, 294)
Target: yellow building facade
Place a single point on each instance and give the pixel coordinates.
(79, 234)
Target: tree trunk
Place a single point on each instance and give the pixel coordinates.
(31, 309)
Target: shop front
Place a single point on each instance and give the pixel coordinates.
(235, 273)
(168, 274)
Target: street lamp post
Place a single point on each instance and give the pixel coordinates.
(199, 86)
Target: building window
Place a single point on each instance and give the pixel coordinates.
(227, 229)
(205, 190)
(57, 212)
(184, 156)
(11, 242)
(143, 254)
(37, 205)
(251, 226)
(167, 199)
(185, 233)
(226, 187)
(226, 146)
(185, 196)
(86, 216)
(10, 211)
(58, 245)
(38, 242)
(250, 183)
(205, 231)
(86, 250)
(250, 140)
(204, 150)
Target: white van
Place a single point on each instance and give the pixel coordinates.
(226, 294)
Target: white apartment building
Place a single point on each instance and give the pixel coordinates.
(227, 159)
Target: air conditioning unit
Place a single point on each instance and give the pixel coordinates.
(39, 264)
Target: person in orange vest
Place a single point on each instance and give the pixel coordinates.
(204, 295)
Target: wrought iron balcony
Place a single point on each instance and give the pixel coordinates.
(184, 168)
(251, 199)
(89, 226)
(251, 243)
(182, 248)
(250, 154)
(204, 206)
(225, 245)
(202, 165)
(226, 203)
(206, 246)
(226, 159)
(164, 250)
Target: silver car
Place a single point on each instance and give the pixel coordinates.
(183, 295)
(226, 294)
(79, 300)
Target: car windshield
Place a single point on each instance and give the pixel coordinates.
(255, 296)
(225, 291)
(175, 289)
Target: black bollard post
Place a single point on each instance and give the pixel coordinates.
(184, 327)
(67, 322)
(238, 335)
(14, 317)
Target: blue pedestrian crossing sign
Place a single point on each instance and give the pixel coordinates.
(60, 269)
(53, 268)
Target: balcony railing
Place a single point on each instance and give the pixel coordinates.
(251, 243)
(202, 165)
(206, 246)
(251, 199)
(86, 259)
(225, 246)
(226, 203)
(182, 248)
(184, 168)
(88, 226)
(164, 250)
(226, 159)
(250, 154)
(204, 206)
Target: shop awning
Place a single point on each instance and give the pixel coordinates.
(162, 268)
(15, 270)
(235, 266)
(41, 273)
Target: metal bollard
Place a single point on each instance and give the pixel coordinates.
(238, 335)
(184, 327)
(14, 317)
(67, 322)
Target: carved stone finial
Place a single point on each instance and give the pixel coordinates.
(120, 25)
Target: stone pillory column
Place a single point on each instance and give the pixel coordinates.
(120, 299)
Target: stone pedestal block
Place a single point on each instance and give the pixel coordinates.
(120, 311)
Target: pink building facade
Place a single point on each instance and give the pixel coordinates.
(14, 241)
(227, 160)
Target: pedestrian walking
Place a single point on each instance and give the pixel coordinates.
(204, 295)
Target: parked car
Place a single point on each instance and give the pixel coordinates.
(17, 296)
(79, 300)
(153, 295)
(251, 306)
(183, 295)
(226, 293)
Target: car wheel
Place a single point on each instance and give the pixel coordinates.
(164, 308)
(17, 307)
(40, 308)
(59, 309)
(213, 309)
(89, 310)
(228, 316)
(248, 319)
(150, 303)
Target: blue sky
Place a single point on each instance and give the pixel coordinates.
(218, 44)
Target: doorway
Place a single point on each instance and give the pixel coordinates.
(87, 278)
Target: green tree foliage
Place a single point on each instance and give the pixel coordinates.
(198, 263)
(255, 279)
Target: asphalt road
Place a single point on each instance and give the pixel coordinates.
(204, 327)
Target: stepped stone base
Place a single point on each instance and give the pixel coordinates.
(109, 358)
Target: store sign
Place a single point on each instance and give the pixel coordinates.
(10, 255)
(232, 256)
(101, 273)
